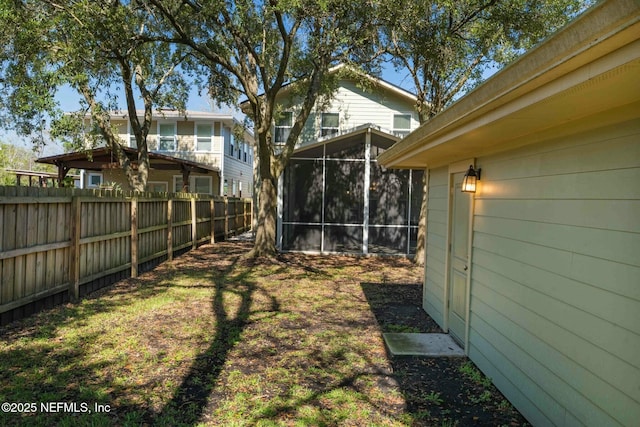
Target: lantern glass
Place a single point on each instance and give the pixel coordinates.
(469, 183)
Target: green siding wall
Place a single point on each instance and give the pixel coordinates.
(555, 287)
(437, 205)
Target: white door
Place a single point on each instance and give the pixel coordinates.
(458, 259)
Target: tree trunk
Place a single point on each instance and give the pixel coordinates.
(421, 244)
(265, 241)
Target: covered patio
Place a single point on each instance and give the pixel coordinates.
(104, 160)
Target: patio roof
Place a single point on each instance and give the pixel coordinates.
(102, 158)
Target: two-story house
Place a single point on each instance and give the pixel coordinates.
(334, 197)
(194, 151)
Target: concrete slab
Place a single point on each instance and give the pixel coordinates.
(429, 345)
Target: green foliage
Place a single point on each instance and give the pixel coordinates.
(14, 157)
(447, 45)
(470, 371)
(99, 49)
(434, 398)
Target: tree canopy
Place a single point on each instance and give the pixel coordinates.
(251, 51)
(254, 49)
(446, 46)
(98, 49)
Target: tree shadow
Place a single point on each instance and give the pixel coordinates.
(190, 400)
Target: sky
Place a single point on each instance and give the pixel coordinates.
(70, 101)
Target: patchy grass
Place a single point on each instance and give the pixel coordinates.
(212, 340)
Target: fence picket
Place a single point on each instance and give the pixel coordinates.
(55, 239)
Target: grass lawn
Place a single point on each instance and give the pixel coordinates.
(209, 339)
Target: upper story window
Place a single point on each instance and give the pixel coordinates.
(330, 123)
(232, 144)
(167, 137)
(283, 127)
(203, 137)
(246, 149)
(401, 125)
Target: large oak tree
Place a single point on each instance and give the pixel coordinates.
(253, 49)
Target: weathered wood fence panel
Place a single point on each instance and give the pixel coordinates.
(55, 241)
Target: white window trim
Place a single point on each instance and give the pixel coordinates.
(92, 174)
(408, 130)
(337, 129)
(192, 182)
(195, 136)
(175, 138)
(276, 127)
(177, 179)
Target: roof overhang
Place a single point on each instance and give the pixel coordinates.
(583, 77)
(379, 138)
(102, 158)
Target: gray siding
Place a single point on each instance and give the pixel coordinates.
(236, 170)
(555, 288)
(437, 206)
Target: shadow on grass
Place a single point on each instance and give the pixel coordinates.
(190, 399)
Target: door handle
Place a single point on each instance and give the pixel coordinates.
(466, 268)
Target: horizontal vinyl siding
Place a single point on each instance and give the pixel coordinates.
(239, 171)
(357, 107)
(436, 253)
(555, 293)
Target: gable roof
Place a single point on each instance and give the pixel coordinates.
(380, 83)
(584, 76)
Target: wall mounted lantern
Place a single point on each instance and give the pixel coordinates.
(470, 180)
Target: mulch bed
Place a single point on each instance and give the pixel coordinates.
(397, 309)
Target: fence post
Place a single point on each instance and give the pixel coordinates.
(194, 224)
(74, 259)
(235, 219)
(169, 229)
(134, 237)
(212, 207)
(226, 217)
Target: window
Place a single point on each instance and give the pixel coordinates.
(240, 189)
(231, 145)
(226, 187)
(283, 127)
(167, 141)
(201, 184)
(157, 186)
(234, 187)
(177, 183)
(197, 184)
(94, 180)
(203, 137)
(240, 147)
(246, 148)
(329, 124)
(401, 125)
(132, 141)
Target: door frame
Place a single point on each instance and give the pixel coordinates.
(455, 168)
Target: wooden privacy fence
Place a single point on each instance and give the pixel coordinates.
(58, 243)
